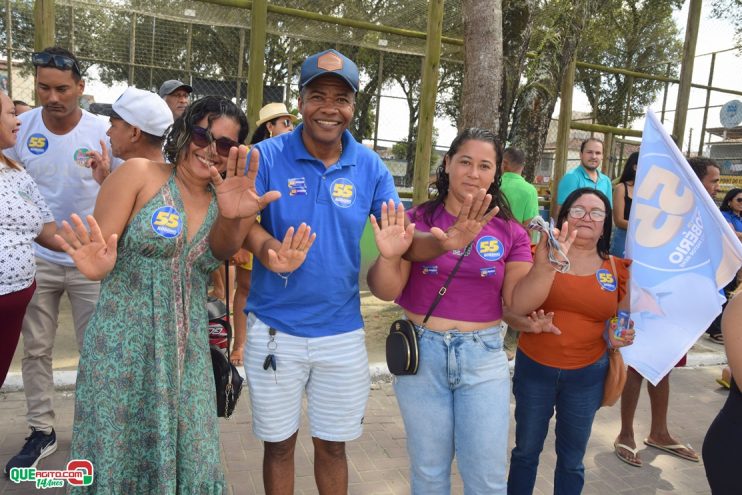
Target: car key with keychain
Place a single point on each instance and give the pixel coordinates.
(270, 359)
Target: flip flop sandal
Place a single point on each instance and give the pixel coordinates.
(723, 383)
(717, 338)
(674, 449)
(636, 462)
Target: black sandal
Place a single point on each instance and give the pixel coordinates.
(717, 338)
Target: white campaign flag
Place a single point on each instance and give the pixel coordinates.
(683, 253)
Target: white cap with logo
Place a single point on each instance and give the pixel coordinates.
(143, 109)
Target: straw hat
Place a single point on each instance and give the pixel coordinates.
(273, 110)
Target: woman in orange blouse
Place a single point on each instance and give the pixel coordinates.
(565, 372)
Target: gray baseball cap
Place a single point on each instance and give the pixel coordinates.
(168, 87)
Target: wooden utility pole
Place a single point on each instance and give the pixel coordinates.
(565, 119)
(686, 70)
(431, 65)
(256, 63)
(43, 15)
(44, 27)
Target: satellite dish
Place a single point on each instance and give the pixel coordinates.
(731, 114)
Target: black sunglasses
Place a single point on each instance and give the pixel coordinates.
(62, 62)
(202, 138)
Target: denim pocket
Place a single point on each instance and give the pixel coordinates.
(490, 341)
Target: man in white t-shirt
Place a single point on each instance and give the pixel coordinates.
(54, 145)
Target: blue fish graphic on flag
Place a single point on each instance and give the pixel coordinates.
(683, 253)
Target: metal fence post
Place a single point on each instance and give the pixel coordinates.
(708, 100)
(380, 78)
(430, 68)
(9, 48)
(132, 48)
(256, 64)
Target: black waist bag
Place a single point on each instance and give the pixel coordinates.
(402, 356)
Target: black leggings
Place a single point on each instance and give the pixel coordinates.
(721, 454)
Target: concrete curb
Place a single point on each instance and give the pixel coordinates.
(65, 380)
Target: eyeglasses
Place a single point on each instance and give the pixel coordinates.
(62, 62)
(580, 212)
(202, 138)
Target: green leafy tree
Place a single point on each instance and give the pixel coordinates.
(559, 26)
(730, 10)
(635, 35)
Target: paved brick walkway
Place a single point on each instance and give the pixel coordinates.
(378, 461)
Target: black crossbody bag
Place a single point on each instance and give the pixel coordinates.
(226, 377)
(402, 351)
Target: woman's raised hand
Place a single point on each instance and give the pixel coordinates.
(236, 194)
(540, 322)
(563, 236)
(293, 250)
(93, 256)
(392, 237)
(472, 218)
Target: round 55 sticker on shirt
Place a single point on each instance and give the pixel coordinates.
(343, 192)
(490, 248)
(37, 144)
(166, 222)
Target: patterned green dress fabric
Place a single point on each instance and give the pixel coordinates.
(145, 408)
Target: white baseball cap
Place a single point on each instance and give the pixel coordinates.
(143, 109)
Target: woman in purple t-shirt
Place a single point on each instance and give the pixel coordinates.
(458, 402)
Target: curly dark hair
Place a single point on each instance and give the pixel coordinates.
(604, 243)
(211, 107)
(728, 198)
(430, 209)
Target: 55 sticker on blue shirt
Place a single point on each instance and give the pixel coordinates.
(343, 192)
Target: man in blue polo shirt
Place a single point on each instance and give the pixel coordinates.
(305, 326)
(587, 174)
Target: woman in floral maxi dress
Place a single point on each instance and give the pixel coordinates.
(145, 412)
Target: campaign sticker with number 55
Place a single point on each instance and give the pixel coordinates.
(606, 280)
(166, 222)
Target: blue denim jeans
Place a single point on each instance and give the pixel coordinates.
(618, 242)
(457, 403)
(540, 390)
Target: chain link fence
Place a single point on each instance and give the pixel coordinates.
(142, 43)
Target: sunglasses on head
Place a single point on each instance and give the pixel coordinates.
(202, 138)
(62, 62)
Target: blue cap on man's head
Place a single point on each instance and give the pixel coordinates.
(329, 62)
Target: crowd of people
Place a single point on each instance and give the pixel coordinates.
(133, 219)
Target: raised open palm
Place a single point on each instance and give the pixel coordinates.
(93, 256)
(293, 250)
(473, 216)
(393, 239)
(236, 195)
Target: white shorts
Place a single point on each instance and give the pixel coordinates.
(333, 370)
